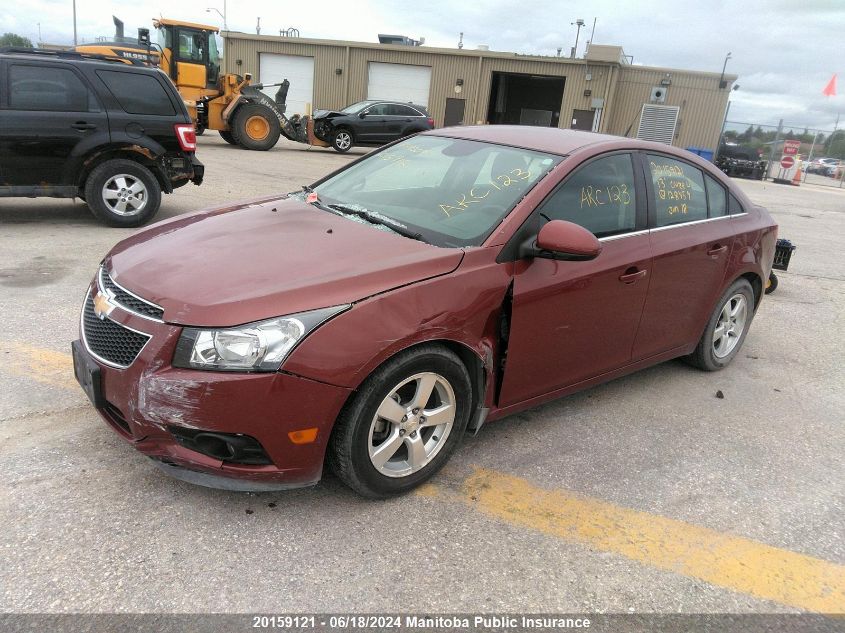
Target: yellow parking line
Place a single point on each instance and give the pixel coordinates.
(39, 364)
(733, 562)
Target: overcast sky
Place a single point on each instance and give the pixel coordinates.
(784, 51)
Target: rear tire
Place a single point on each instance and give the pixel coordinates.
(727, 328)
(379, 453)
(256, 127)
(122, 193)
(772, 283)
(227, 136)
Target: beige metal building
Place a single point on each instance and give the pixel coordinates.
(600, 92)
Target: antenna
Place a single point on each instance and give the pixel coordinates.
(461, 41)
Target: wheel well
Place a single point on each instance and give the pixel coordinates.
(473, 364)
(756, 286)
(141, 156)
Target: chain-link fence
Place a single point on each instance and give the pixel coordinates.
(785, 152)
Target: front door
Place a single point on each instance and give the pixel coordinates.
(372, 125)
(573, 320)
(51, 116)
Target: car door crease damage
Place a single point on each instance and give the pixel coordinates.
(479, 282)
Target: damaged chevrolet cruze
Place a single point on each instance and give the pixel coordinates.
(371, 320)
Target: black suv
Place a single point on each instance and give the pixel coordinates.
(370, 123)
(111, 133)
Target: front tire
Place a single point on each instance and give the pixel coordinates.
(727, 328)
(122, 193)
(342, 141)
(403, 424)
(256, 127)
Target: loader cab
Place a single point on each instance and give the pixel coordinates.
(190, 56)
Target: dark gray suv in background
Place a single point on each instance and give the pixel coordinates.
(370, 122)
(113, 133)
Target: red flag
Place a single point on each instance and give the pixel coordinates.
(830, 88)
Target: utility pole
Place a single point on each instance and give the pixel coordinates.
(74, 22)
(722, 133)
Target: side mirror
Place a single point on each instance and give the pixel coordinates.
(559, 239)
(361, 115)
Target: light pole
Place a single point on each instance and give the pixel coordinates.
(722, 83)
(74, 22)
(222, 15)
(580, 23)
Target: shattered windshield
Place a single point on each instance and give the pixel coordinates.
(450, 192)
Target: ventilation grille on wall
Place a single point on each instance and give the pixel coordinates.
(658, 94)
(657, 123)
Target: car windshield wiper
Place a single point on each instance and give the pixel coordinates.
(374, 218)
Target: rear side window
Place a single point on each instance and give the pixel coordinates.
(48, 88)
(600, 197)
(736, 207)
(137, 93)
(678, 191)
(400, 110)
(716, 200)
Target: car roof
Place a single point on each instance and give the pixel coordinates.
(551, 140)
(74, 57)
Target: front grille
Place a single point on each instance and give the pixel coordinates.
(110, 341)
(128, 300)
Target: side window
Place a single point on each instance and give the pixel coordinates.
(715, 197)
(400, 110)
(600, 197)
(678, 191)
(137, 93)
(736, 207)
(379, 109)
(48, 88)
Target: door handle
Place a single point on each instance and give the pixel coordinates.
(715, 250)
(82, 126)
(631, 277)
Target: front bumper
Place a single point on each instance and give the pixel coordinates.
(141, 401)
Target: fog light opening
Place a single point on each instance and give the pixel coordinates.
(233, 448)
(215, 446)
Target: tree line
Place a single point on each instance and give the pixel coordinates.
(756, 138)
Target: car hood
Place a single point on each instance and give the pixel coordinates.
(327, 114)
(234, 265)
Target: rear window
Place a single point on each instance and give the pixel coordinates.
(137, 93)
(48, 88)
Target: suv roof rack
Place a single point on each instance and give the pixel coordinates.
(70, 55)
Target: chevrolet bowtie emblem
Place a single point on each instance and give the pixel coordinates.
(102, 305)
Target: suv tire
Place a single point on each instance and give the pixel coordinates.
(122, 193)
(256, 127)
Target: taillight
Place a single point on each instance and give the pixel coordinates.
(431, 121)
(187, 136)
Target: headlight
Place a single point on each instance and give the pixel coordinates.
(261, 346)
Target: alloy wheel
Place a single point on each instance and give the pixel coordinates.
(342, 140)
(125, 194)
(730, 325)
(411, 424)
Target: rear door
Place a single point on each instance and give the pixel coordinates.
(575, 320)
(691, 241)
(52, 119)
(143, 107)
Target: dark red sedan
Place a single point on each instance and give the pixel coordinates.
(432, 286)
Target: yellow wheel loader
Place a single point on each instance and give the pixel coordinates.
(187, 53)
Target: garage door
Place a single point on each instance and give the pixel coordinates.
(298, 70)
(399, 82)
